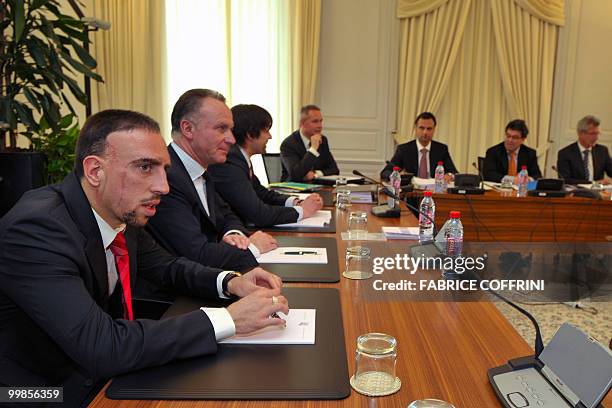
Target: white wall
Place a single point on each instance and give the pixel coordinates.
(583, 77)
(357, 81)
(357, 87)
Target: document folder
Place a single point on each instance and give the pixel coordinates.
(284, 372)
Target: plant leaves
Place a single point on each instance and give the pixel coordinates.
(19, 18)
(83, 54)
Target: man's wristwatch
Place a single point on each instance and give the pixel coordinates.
(226, 280)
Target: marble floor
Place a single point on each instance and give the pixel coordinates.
(595, 318)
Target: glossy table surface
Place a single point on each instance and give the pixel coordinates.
(444, 348)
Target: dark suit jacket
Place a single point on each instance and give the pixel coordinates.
(496, 162)
(254, 203)
(407, 158)
(55, 329)
(183, 227)
(571, 166)
(297, 161)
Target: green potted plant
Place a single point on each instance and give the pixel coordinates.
(42, 51)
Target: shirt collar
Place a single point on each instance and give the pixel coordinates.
(582, 148)
(107, 232)
(516, 151)
(194, 169)
(246, 156)
(421, 147)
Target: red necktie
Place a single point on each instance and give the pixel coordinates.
(119, 249)
(423, 173)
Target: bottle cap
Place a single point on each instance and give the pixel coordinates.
(395, 168)
(427, 193)
(523, 167)
(455, 214)
(440, 163)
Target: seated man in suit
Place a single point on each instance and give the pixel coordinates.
(193, 220)
(585, 161)
(241, 189)
(508, 157)
(70, 254)
(421, 156)
(305, 153)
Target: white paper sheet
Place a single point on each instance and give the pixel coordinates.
(300, 330)
(318, 220)
(279, 255)
(401, 232)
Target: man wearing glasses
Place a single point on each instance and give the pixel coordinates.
(508, 157)
(585, 161)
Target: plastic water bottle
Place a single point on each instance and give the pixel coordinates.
(395, 179)
(440, 183)
(523, 180)
(454, 235)
(426, 227)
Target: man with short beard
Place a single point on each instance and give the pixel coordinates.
(70, 255)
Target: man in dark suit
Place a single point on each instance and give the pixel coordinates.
(240, 187)
(585, 161)
(508, 157)
(70, 254)
(193, 220)
(421, 156)
(305, 153)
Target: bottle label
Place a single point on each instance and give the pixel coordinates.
(454, 246)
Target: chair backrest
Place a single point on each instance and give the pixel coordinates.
(274, 167)
(481, 164)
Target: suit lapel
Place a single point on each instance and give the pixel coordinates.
(503, 159)
(179, 176)
(210, 198)
(298, 141)
(80, 210)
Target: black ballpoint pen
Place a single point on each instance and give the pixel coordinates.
(300, 253)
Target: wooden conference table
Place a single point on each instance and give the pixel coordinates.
(444, 348)
(497, 216)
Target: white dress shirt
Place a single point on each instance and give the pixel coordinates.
(590, 161)
(221, 320)
(421, 147)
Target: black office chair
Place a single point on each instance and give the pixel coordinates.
(274, 167)
(481, 164)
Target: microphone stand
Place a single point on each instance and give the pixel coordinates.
(479, 174)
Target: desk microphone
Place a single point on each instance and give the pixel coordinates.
(389, 193)
(480, 174)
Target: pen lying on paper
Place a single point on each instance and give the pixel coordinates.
(300, 253)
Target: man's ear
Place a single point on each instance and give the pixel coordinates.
(92, 170)
(187, 128)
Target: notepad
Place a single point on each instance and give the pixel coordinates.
(300, 329)
(289, 255)
(318, 220)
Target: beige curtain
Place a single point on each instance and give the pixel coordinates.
(130, 57)
(413, 8)
(306, 27)
(473, 113)
(526, 49)
(551, 11)
(429, 45)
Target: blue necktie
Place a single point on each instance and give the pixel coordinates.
(587, 176)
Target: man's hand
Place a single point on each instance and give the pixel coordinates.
(252, 281)
(253, 311)
(236, 240)
(448, 177)
(311, 205)
(264, 242)
(315, 141)
(310, 175)
(604, 182)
